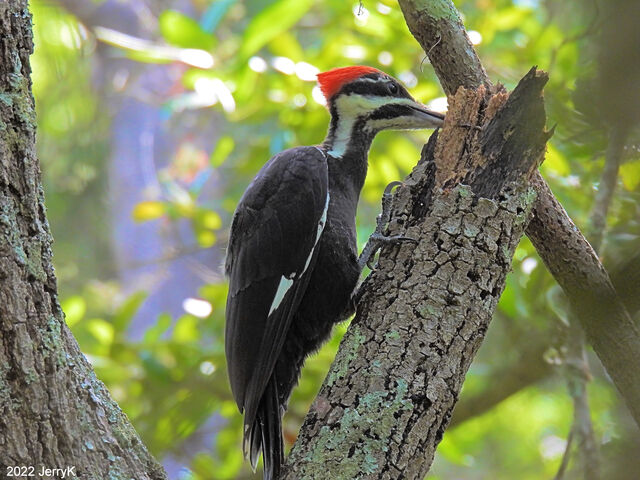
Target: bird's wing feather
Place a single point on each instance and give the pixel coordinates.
(274, 231)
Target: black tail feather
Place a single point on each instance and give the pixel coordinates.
(255, 443)
(265, 433)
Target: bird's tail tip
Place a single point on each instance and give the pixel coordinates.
(264, 434)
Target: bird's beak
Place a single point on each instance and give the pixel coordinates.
(404, 114)
(420, 116)
(401, 113)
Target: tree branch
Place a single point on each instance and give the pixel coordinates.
(564, 250)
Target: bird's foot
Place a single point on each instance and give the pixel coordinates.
(378, 239)
(375, 243)
(387, 196)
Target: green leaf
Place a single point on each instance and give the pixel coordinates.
(101, 330)
(508, 300)
(148, 56)
(272, 21)
(153, 334)
(223, 149)
(182, 31)
(509, 18)
(208, 219)
(206, 238)
(186, 329)
(74, 309)
(286, 45)
(127, 311)
(630, 174)
(555, 162)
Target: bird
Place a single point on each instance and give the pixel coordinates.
(292, 259)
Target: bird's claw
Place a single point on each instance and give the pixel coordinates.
(385, 215)
(389, 188)
(377, 239)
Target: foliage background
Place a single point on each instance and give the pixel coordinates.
(155, 115)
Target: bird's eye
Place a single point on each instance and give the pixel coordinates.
(392, 88)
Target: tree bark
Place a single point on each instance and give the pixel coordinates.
(562, 247)
(389, 394)
(55, 413)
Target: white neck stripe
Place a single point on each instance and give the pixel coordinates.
(342, 136)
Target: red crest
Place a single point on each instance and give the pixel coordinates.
(330, 82)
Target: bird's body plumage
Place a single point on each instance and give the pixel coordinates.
(292, 259)
(326, 272)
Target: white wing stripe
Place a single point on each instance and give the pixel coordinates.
(283, 288)
(286, 283)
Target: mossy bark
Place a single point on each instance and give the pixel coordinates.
(54, 412)
(390, 393)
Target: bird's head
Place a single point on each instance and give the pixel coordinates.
(378, 99)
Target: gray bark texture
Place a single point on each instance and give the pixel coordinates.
(54, 412)
(564, 250)
(388, 397)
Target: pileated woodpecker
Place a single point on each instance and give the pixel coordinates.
(292, 258)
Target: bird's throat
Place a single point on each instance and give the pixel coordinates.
(347, 136)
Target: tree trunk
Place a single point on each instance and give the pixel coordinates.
(55, 413)
(389, 394)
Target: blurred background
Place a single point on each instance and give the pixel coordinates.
(154, 115)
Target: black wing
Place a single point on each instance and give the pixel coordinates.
(274, 231)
